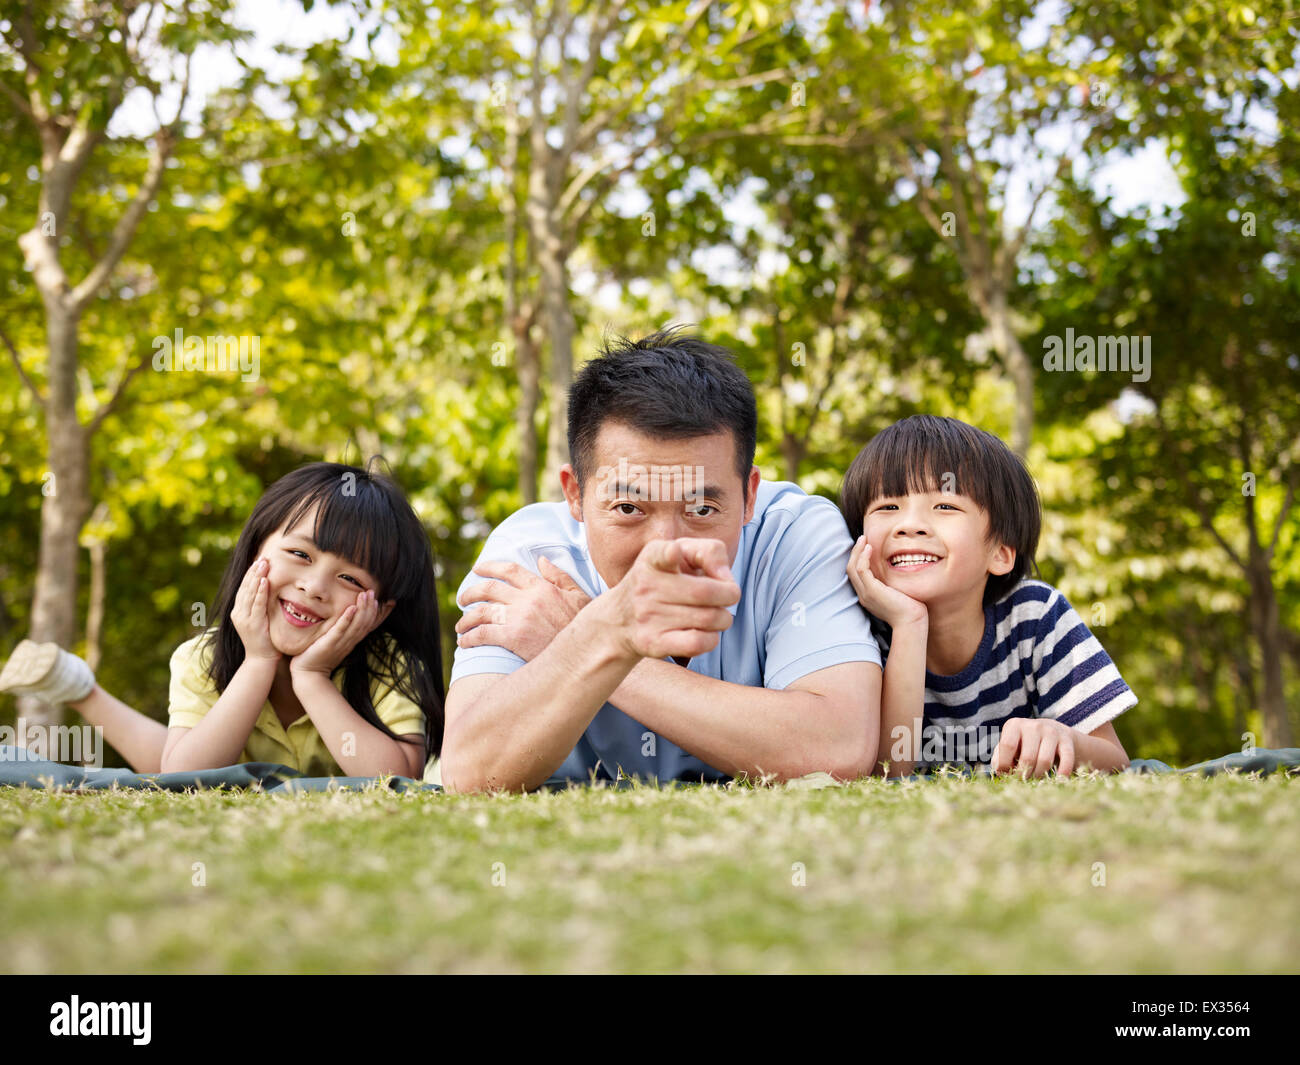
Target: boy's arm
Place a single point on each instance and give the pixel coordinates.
(1079, 691)
(1101, 749)
(1035, 745)
(902, 706)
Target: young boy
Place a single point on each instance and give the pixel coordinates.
(982, 665)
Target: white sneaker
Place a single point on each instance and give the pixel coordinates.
(48, 672)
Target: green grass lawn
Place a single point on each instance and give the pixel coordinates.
(955, 875)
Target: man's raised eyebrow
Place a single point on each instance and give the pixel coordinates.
(710, 491)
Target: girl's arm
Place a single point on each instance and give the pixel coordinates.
(220, 737)
(360, 749)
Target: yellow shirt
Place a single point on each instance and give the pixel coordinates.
(299, 746)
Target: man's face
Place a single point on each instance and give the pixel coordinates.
(644, 488)
(934, 546)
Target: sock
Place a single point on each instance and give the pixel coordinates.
(48, 672)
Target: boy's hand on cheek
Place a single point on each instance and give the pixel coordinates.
(889, 604)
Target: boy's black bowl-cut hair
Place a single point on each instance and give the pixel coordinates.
(914, 454)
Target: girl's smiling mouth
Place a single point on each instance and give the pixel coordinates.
(297, 616)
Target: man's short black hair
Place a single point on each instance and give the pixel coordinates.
(668, 384)
(925, 453)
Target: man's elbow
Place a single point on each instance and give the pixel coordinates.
(855, 756)
(462, 774)
(848, 755)
(459, 775)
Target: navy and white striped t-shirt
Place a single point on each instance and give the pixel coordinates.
(1037, 659)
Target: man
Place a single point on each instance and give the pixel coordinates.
(675, 618)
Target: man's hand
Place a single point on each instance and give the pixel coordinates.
(1033, 745)
(890, 605)
(673, 601)
(519, 610)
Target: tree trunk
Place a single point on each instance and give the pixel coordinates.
(1267, 629)
(793, 450)
(1018, 368)
(95, 610)
(560, 328)
(528, 363)
(65, 505)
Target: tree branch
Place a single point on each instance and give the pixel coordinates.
(1198, 504)
(110, 405)
(1281, 518)
(18, 100)
(125, 229)
(1018, 242)
(13, 354)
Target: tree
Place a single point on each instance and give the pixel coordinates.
(68, 74)
(1211, 463)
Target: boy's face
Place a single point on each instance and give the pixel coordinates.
(933, 546)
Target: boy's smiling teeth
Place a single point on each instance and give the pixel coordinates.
(912, 559)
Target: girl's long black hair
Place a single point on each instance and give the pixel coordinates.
(365, 518)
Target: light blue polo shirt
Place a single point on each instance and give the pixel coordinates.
(797, 614)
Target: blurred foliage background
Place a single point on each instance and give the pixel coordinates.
(429, 214)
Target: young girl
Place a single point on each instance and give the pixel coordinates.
(325, 656)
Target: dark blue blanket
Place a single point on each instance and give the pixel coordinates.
(20, 768)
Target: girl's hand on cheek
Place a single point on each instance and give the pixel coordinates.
(340, 636)
(251, 613)
(893, 607)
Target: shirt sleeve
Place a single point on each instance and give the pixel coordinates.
(816, 621)
(1077, 683)
(394, 709)
(469, 661)
(397, 711)
(191, 693)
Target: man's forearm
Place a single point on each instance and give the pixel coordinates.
(739, 729)
(519, 731)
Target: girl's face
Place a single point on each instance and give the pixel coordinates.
(933, 546)
(307, 587)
